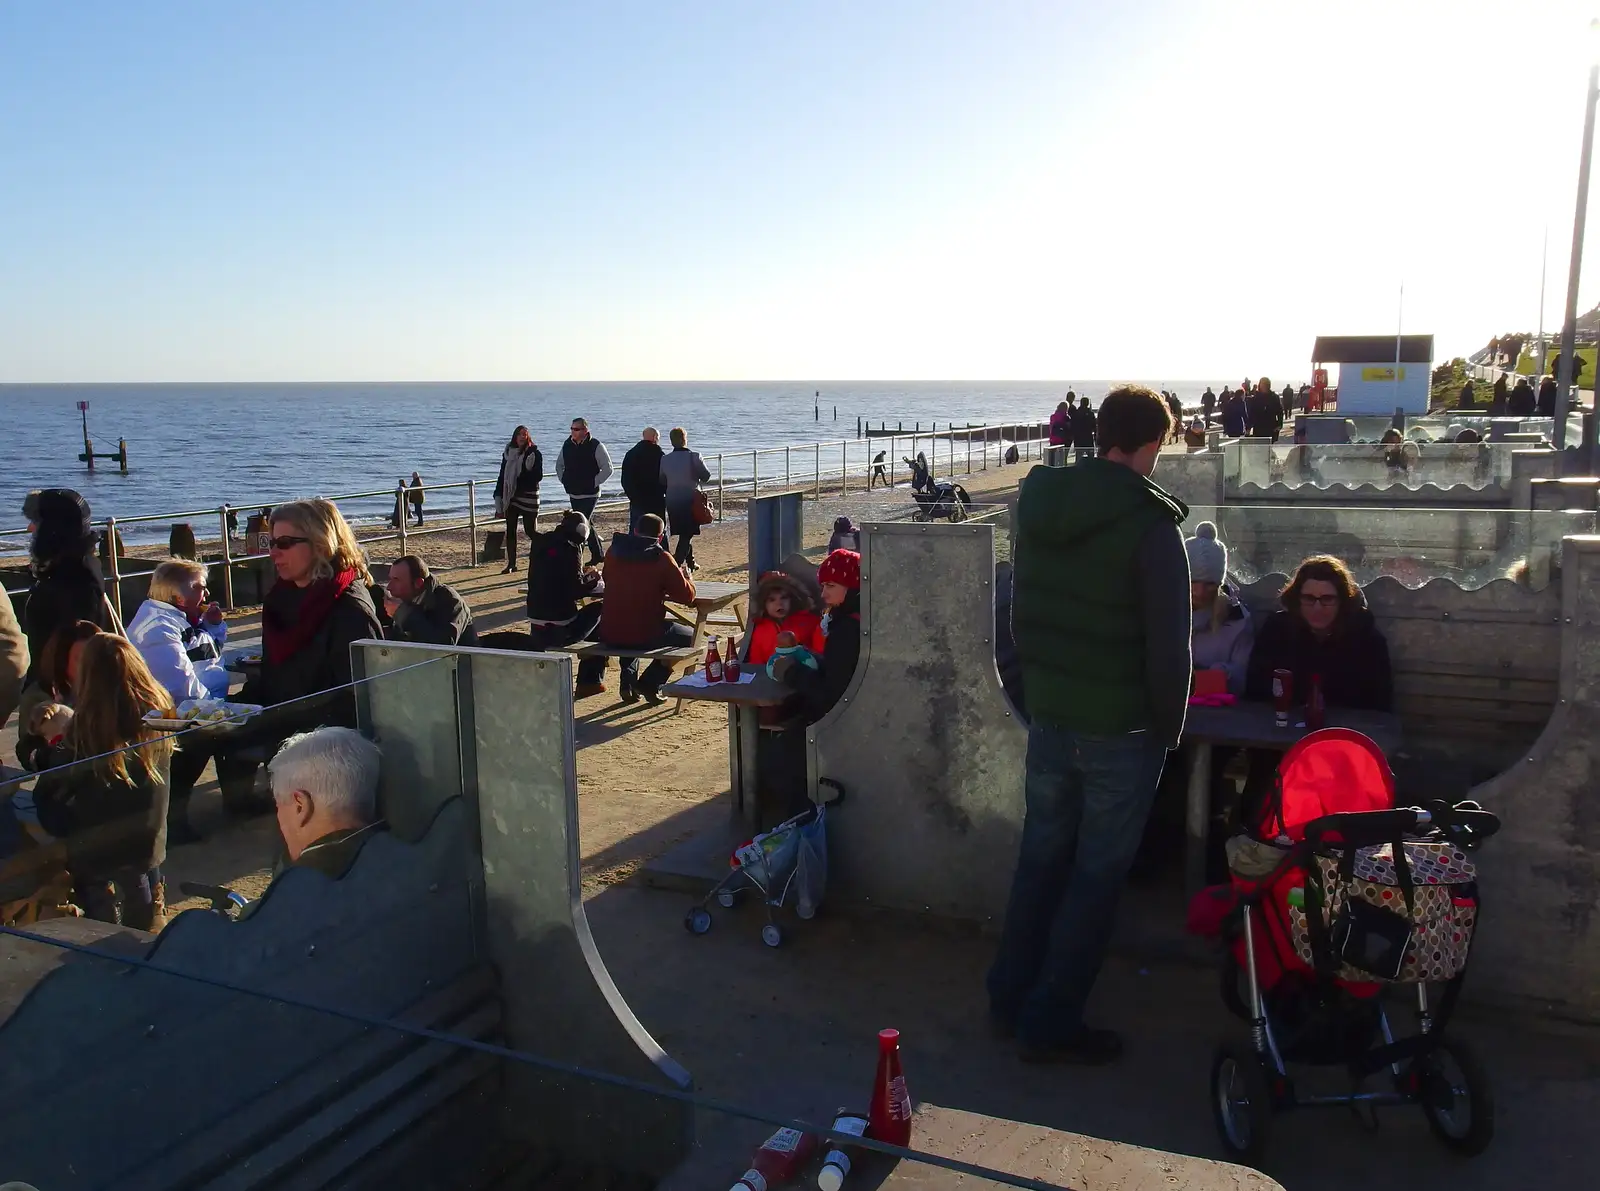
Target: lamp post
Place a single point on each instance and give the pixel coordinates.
(1569, 327)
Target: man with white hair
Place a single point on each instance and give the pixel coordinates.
(325, 784)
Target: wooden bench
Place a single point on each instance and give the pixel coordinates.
(674, 656)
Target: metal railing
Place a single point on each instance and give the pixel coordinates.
(966, 451)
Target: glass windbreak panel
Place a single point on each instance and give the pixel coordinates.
(1408, 464)
(1471, 547)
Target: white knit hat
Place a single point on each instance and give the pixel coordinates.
(1208, 558)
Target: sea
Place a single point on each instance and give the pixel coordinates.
(194, 446)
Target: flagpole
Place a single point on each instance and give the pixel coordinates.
(1400, 321)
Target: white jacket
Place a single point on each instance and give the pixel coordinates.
(182, 657)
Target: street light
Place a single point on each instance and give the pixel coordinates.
(1569, 328)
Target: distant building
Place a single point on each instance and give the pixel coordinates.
(1369, 380)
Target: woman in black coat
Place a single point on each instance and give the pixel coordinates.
(1324, 630)
(319, 607)
(66, 578)
(557, 581)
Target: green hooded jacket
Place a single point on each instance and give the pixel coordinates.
(1083, 619)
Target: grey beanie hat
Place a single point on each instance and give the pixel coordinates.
(1208, 558)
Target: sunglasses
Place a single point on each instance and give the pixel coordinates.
(286, 542)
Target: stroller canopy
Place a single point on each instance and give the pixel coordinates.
(1325, 773)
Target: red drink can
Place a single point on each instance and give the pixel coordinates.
(1282, 696)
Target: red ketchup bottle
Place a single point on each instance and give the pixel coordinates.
(713, 662)
(777, 1161)
(1282, 696)
(889, 1118)
(730, 664)
(1316, 708)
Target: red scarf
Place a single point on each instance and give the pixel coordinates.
(283, 641)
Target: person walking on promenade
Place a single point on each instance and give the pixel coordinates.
(1288, 402)
(1547, 397)
(583, 467)
(1061, 425)
(1498, 401)
(641, 478)
(1264, 413)
(1468, 399)
(878, 476)
(1083, 430)
(417, 496)
(1101, 609)
(1176, 407)
(684, 472)
(1235, 419)
(1208, 404)
(516, 490)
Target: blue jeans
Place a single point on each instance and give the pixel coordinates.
(672, 634)
(1087, 801)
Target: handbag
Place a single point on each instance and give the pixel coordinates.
(704, 514)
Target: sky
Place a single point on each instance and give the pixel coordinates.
(987, 189)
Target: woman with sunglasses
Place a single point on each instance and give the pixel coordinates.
(320, 604)
(1324, 630)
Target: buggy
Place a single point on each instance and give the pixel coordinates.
(1337, 900)
(792, 857)
(934, 499)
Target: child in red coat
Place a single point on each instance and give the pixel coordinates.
(783, 605)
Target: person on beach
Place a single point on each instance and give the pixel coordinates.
(684, 472)
(110, 807)
(1324, 630)
(557, 582)
(1061, 425)
(1208, 404)
(417, 496)
(846, 535)
(640, 579)
(1221, 633)
(879, 475)
(422, 609)
(1234, 420)
(180, 632)
(1176, 406)
(320, 606)
(641, 478)
(398, 513)
(1101, 609)
(67, 584)
(1547, 397)
(583, 467)
(1288, 402)
(516, 490)
(1083, 430)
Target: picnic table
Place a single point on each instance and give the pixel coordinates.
(1253, 724)
(745, 699)
(709, 599)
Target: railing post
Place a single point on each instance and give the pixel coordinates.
(786, 477)
(755, 474)
(816, 469)
(969, 452)
(894, 457)
(719, 485)
(472, 521)
(116, 571)
(844, 467)
(227, 560)
(404, 516)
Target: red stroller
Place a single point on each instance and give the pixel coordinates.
(1336, 897)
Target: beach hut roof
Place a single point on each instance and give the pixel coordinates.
(1371, 349)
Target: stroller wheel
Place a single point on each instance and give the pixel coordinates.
(697, 921)
(1241, 1102)
(1456, 1097)
(727, 898)
(772, 935)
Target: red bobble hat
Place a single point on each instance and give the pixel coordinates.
(842, 567)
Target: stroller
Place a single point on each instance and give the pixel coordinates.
(935, 500)
(1337, 897)
(793, 856)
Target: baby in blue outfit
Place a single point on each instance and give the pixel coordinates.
(788, 646)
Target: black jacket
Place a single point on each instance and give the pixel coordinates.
(641, 478)
(107, 825)
(556, 581)
(821, 689)
(324, 663)
(1083, 426)
(64, 591)
(439, 616)
(1264, 414)
(1548, 389)
(1353, 662)
(1524, 403)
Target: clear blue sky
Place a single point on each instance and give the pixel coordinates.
(989, 189)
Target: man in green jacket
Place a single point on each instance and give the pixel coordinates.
(1101, 616)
